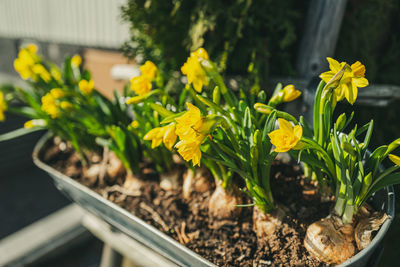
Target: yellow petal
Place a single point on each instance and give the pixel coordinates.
(360, 81)
(333, 64)
(326, 76)
(395, 159)
(285, 125)
(298, 131)
(151, 134)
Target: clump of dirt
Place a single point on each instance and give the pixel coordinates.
(187, 221)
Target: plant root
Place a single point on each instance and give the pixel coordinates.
(155, 216)
(265, 224)
(221, 206)
(170, 180)
(195, 182)
(115, 167)
(132, 183)
(330, 240)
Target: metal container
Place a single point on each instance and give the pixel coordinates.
(166, 246)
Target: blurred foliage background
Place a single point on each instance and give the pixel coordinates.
(252, 38)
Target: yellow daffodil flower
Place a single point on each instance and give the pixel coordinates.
(57, 93)
(188, 122)
(41, 71)
(3, 106)
(148, 70)
(286, 137)
(201, 53)
(352, 79)
(135, 124)
(49, 105)
(170, 136)
(65, 105)
(190, 149)
(395, 159)
(55, 72)
(76, 61)
(290, 93)
(24, 62)
(86, 87)
(141, 85)
(193, 70)
(155, 136)
(164, 134)
(32, 48)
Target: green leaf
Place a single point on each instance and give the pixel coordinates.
(163, 111)
(24, 111)
(349, 120)
(19, 132)
(317, 107)
(391, 179)
(375, 159)
(306, 127)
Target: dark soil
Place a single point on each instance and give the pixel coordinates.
(187, 222)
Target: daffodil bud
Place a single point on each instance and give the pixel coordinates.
(348, 148)
(34, 123)
(262, 108)
(262, 96)
(393, 145)
(135, 100)
(341, 121)
(365, 185)
(216, 95)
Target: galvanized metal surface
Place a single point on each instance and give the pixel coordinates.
(165, 245)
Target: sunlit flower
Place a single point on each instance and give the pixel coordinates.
(55, 72)
(290, 93)
(65, 105)
(148, 70)
(135, 124)
(3, 106)
(57, 93)
(86, 87)
(156, 136)
(42, 72)
(193, 70)
(24, 62)
(49, 105)
(352, 79)
(188, 122)
(190, 149)
(141, 85)
(395, 159)
(170, 136)
(286, 137)
(76, 61)
(32, 48)
(164, 134)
